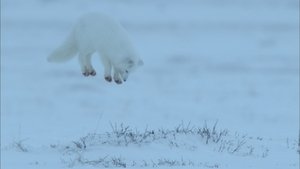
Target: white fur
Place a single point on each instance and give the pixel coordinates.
(102, 34)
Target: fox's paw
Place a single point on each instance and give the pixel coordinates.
(93, 73)
(87, 73)
(118, 81)
(117, 78)
(108, 78)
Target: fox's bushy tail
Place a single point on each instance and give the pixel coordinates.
(66, 51)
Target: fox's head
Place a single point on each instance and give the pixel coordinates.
(128, 65)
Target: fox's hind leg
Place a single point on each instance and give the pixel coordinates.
(90, 68)
(86, 66)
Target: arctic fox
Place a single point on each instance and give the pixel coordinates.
(99, 33)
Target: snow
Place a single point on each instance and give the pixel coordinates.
(232, 62)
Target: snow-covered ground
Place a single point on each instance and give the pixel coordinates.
(230, 62)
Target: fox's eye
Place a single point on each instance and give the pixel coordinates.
(126, 71)
(130, 62)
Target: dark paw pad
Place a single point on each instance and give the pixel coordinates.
(118, 81)
(86, 74)
(93, 73)
(108, 78)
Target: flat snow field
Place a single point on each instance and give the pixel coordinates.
(219, 87)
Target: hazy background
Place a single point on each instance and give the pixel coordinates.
(231, 61)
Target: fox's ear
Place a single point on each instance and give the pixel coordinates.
(141, 62)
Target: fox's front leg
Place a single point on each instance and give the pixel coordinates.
(117, 76)
(107, 69)
(107, 73)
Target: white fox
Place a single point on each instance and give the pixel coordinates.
(102, 34)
